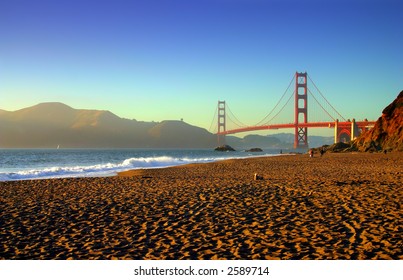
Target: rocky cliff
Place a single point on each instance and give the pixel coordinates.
(387, 134)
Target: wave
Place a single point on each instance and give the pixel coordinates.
(98, 170)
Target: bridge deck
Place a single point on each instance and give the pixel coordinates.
(347, 124)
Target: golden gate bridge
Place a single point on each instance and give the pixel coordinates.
(344, 129)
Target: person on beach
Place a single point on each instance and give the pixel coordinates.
(322, 151)
(311, 153)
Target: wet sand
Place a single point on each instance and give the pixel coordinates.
(339, 206)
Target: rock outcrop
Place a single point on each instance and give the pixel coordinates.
(254, 150)
(224, 148)
(334, 148)
(387, 133)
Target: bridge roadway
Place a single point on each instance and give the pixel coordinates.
(346, 124)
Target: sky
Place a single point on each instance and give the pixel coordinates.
(154, 60)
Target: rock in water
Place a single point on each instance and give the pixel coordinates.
(224, 148)
(254, 150)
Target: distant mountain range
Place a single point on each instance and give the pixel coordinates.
(49, 125)
(279, 140)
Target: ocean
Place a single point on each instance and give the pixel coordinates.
(25, 164)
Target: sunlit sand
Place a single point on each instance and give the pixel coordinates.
(339, 206)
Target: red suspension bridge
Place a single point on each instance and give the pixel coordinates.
(344, 129)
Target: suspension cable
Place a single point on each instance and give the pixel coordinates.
(326, 100)
(232, 121)
(281, 108)
(238, 122)
(214, 117)
(321, 105)
(262, 121)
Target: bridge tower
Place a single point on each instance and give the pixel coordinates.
(301, 108)
(221, 123)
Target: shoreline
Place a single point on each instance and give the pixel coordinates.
(339, 206)
(108, 167)
(133, 172)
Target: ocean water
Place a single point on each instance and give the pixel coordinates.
(24, 164)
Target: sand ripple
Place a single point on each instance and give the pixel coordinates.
(341, 206)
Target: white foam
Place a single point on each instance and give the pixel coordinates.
(101, 169)
(110, 169)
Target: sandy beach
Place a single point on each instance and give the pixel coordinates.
(339, 206)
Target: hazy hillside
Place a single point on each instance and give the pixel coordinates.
(171, 134)
(253, 141)
(279, 140)
(48, 125)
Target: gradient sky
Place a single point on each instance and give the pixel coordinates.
(153, 60)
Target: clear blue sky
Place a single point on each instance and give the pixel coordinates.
(153, 60)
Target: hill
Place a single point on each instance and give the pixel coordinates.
(48, 125)
(277, 141)
(387, 133)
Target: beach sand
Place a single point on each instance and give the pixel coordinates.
(339, 206)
